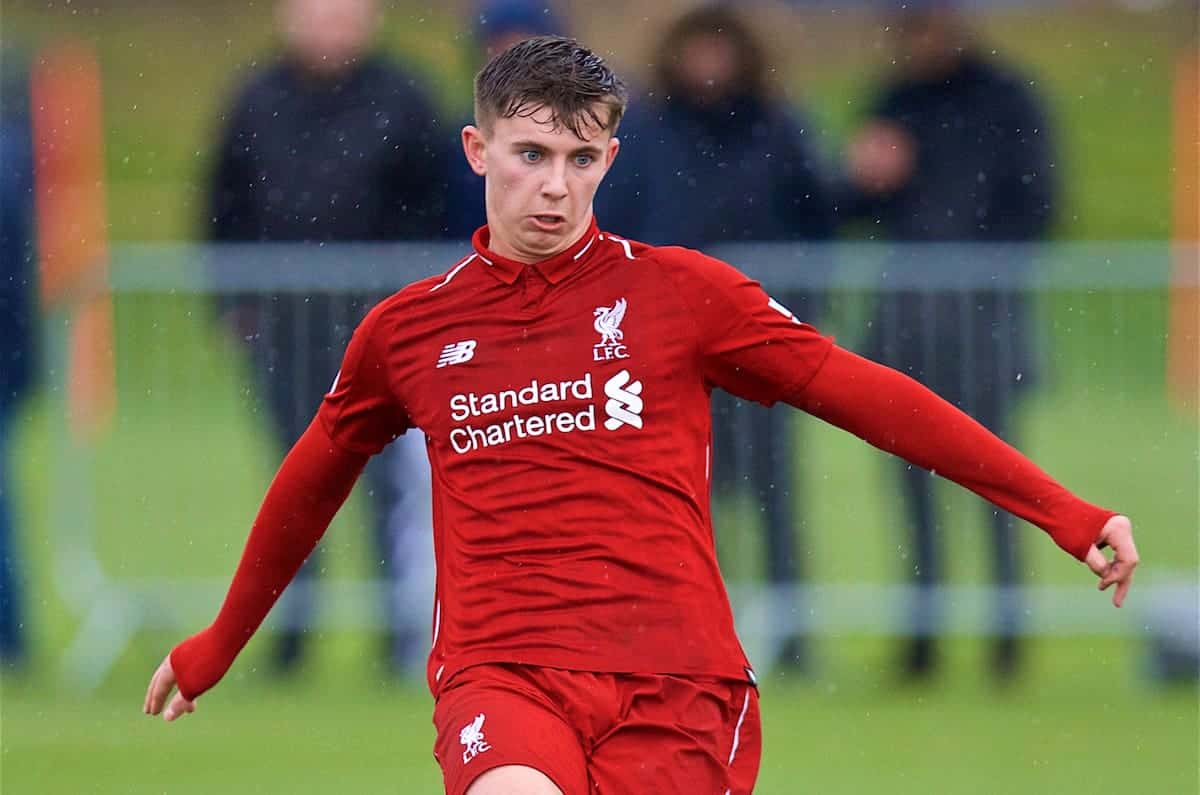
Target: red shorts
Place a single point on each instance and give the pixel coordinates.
(599, 734)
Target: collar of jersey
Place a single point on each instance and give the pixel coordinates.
(554, 269)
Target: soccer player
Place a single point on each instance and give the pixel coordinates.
(583, 641)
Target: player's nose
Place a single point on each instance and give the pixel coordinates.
(555, 186)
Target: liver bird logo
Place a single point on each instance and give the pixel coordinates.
(608, 322)
(471, 736)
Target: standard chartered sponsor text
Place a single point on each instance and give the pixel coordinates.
(464, 406)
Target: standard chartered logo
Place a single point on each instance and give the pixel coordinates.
(624, 406)
(542, 408)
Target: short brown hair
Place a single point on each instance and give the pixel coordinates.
(551, 72)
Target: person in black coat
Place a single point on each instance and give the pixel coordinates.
(333, 142)
(712, 156)
(956, 149)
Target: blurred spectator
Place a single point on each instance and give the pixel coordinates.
(711, 156)
(16, 329)
(496, 26)
(956, 149)
(334, 143)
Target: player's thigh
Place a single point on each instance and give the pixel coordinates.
(492, 719)
(513, 780)
(708, 740)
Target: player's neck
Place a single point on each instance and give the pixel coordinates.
(503, 245)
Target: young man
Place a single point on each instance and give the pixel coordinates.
(583, 641)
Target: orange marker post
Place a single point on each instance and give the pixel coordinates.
(1183, 332)
(72, 225)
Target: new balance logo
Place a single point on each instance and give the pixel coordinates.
(471, 736)
(457, 353)
(624, 406)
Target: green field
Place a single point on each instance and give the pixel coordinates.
(1080, 724)
(170, 491)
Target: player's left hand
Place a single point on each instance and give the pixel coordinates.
(161, 685)
(1118, 534)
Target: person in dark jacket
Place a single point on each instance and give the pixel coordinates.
(17, 319)
(714, 157)
(957, 148)
(333, 142)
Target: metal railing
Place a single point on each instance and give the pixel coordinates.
(1097, 324)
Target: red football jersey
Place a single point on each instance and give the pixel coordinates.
(566, 411)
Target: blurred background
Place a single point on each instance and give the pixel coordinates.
(1000, 198)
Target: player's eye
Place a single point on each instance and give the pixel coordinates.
(531, 155)
(583, 161)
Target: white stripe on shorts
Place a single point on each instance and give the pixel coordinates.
(737, 730)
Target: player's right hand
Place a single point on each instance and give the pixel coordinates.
(1118, 534)
(161, 685)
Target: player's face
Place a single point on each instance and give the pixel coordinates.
(539, 181)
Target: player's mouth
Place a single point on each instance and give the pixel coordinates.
(549, 222)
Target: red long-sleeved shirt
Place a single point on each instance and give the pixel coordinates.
(566, 409)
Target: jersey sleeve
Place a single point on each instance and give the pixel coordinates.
(749, 344)
(361, 412)
(897, 414)
(309, 488)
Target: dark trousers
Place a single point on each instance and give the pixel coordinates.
(971, 349)
(12, 629)
(753, 451)
(753, 454)
(928, 569)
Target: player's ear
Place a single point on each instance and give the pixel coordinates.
(474, 145)
(610, 152)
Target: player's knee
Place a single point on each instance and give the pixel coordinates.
(513, 780)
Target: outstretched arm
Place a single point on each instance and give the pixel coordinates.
(897, 414)
(754, 347)
(312, 483)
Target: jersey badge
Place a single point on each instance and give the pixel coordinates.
(471, 736)
(608, 326)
